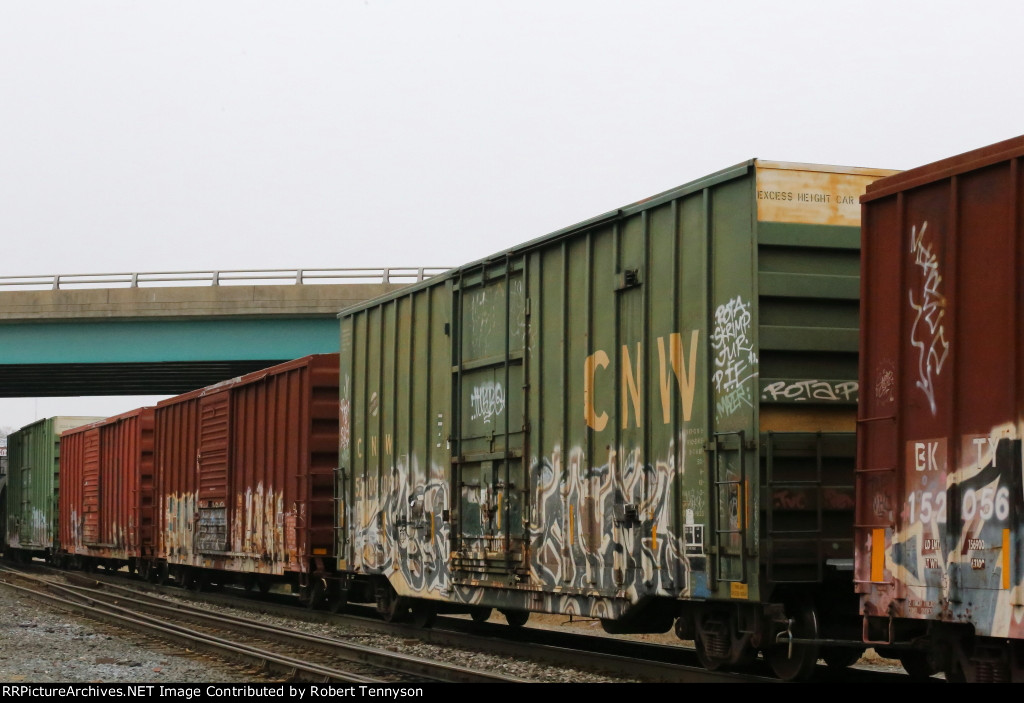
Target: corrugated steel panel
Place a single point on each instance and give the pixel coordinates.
(395, 428)
(589, 413)
(939, 483)
(106, 503)
(33, 482)
(246, 469)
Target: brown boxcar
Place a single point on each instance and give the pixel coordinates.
(939, 515)
(244, 476)
(106, 497)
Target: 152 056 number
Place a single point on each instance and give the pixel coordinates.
(930, 507)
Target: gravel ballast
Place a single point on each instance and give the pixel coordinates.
(40, 645)
(43, 645)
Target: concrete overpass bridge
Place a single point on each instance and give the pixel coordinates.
(171, 332)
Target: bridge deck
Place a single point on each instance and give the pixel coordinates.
(163, 340)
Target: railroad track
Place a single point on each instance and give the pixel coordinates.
(614, 657)
(290, 654)
(552, 648)
(620, 657)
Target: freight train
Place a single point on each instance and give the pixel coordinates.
(777, 409)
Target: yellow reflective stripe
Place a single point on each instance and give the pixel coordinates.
(877, 554)
(1006, 559)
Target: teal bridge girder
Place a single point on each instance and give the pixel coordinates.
(164, 334)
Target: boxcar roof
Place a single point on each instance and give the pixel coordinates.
(939, 170)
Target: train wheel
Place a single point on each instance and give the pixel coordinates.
(317, 594)
(193, 579)
(480, 614)
(685, 629)
(916, 664)
(391, 606)
(841, 657)
(338, 598)
(516, 618)
(177, 574)
(796, 662)
(424, 613)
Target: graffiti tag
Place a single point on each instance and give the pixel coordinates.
(730, 402)
(811, 389)
(928, 333)
(735, 359)
(885, 386)
(487, 400)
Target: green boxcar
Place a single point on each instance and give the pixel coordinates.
(646, 418)
(33, 482)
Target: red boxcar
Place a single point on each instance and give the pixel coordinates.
(245, 476)
(940, 505)
(106, 491)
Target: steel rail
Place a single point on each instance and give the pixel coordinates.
(293, 669)
(568, 650)
(399, 663)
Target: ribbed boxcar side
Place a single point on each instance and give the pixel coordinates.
(395, 461)
(245, 477)
(33, 485)
(106, 498)
(645, 417)
(940, 502)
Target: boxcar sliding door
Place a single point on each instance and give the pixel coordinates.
(489, 424)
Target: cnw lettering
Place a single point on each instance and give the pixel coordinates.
(683, 367)
(388, 446)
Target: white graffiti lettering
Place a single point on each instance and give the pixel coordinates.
(928, 333)
(735, 359)
(734, 353)
(344, 416)
(343, 431)
(811, 389)
(488, 400)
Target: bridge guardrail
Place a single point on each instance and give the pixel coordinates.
(217, 278)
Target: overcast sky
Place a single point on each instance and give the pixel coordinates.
(159, 136)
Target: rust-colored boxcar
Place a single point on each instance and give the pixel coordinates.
(939, 491)
(244, 476)
(106, 497)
